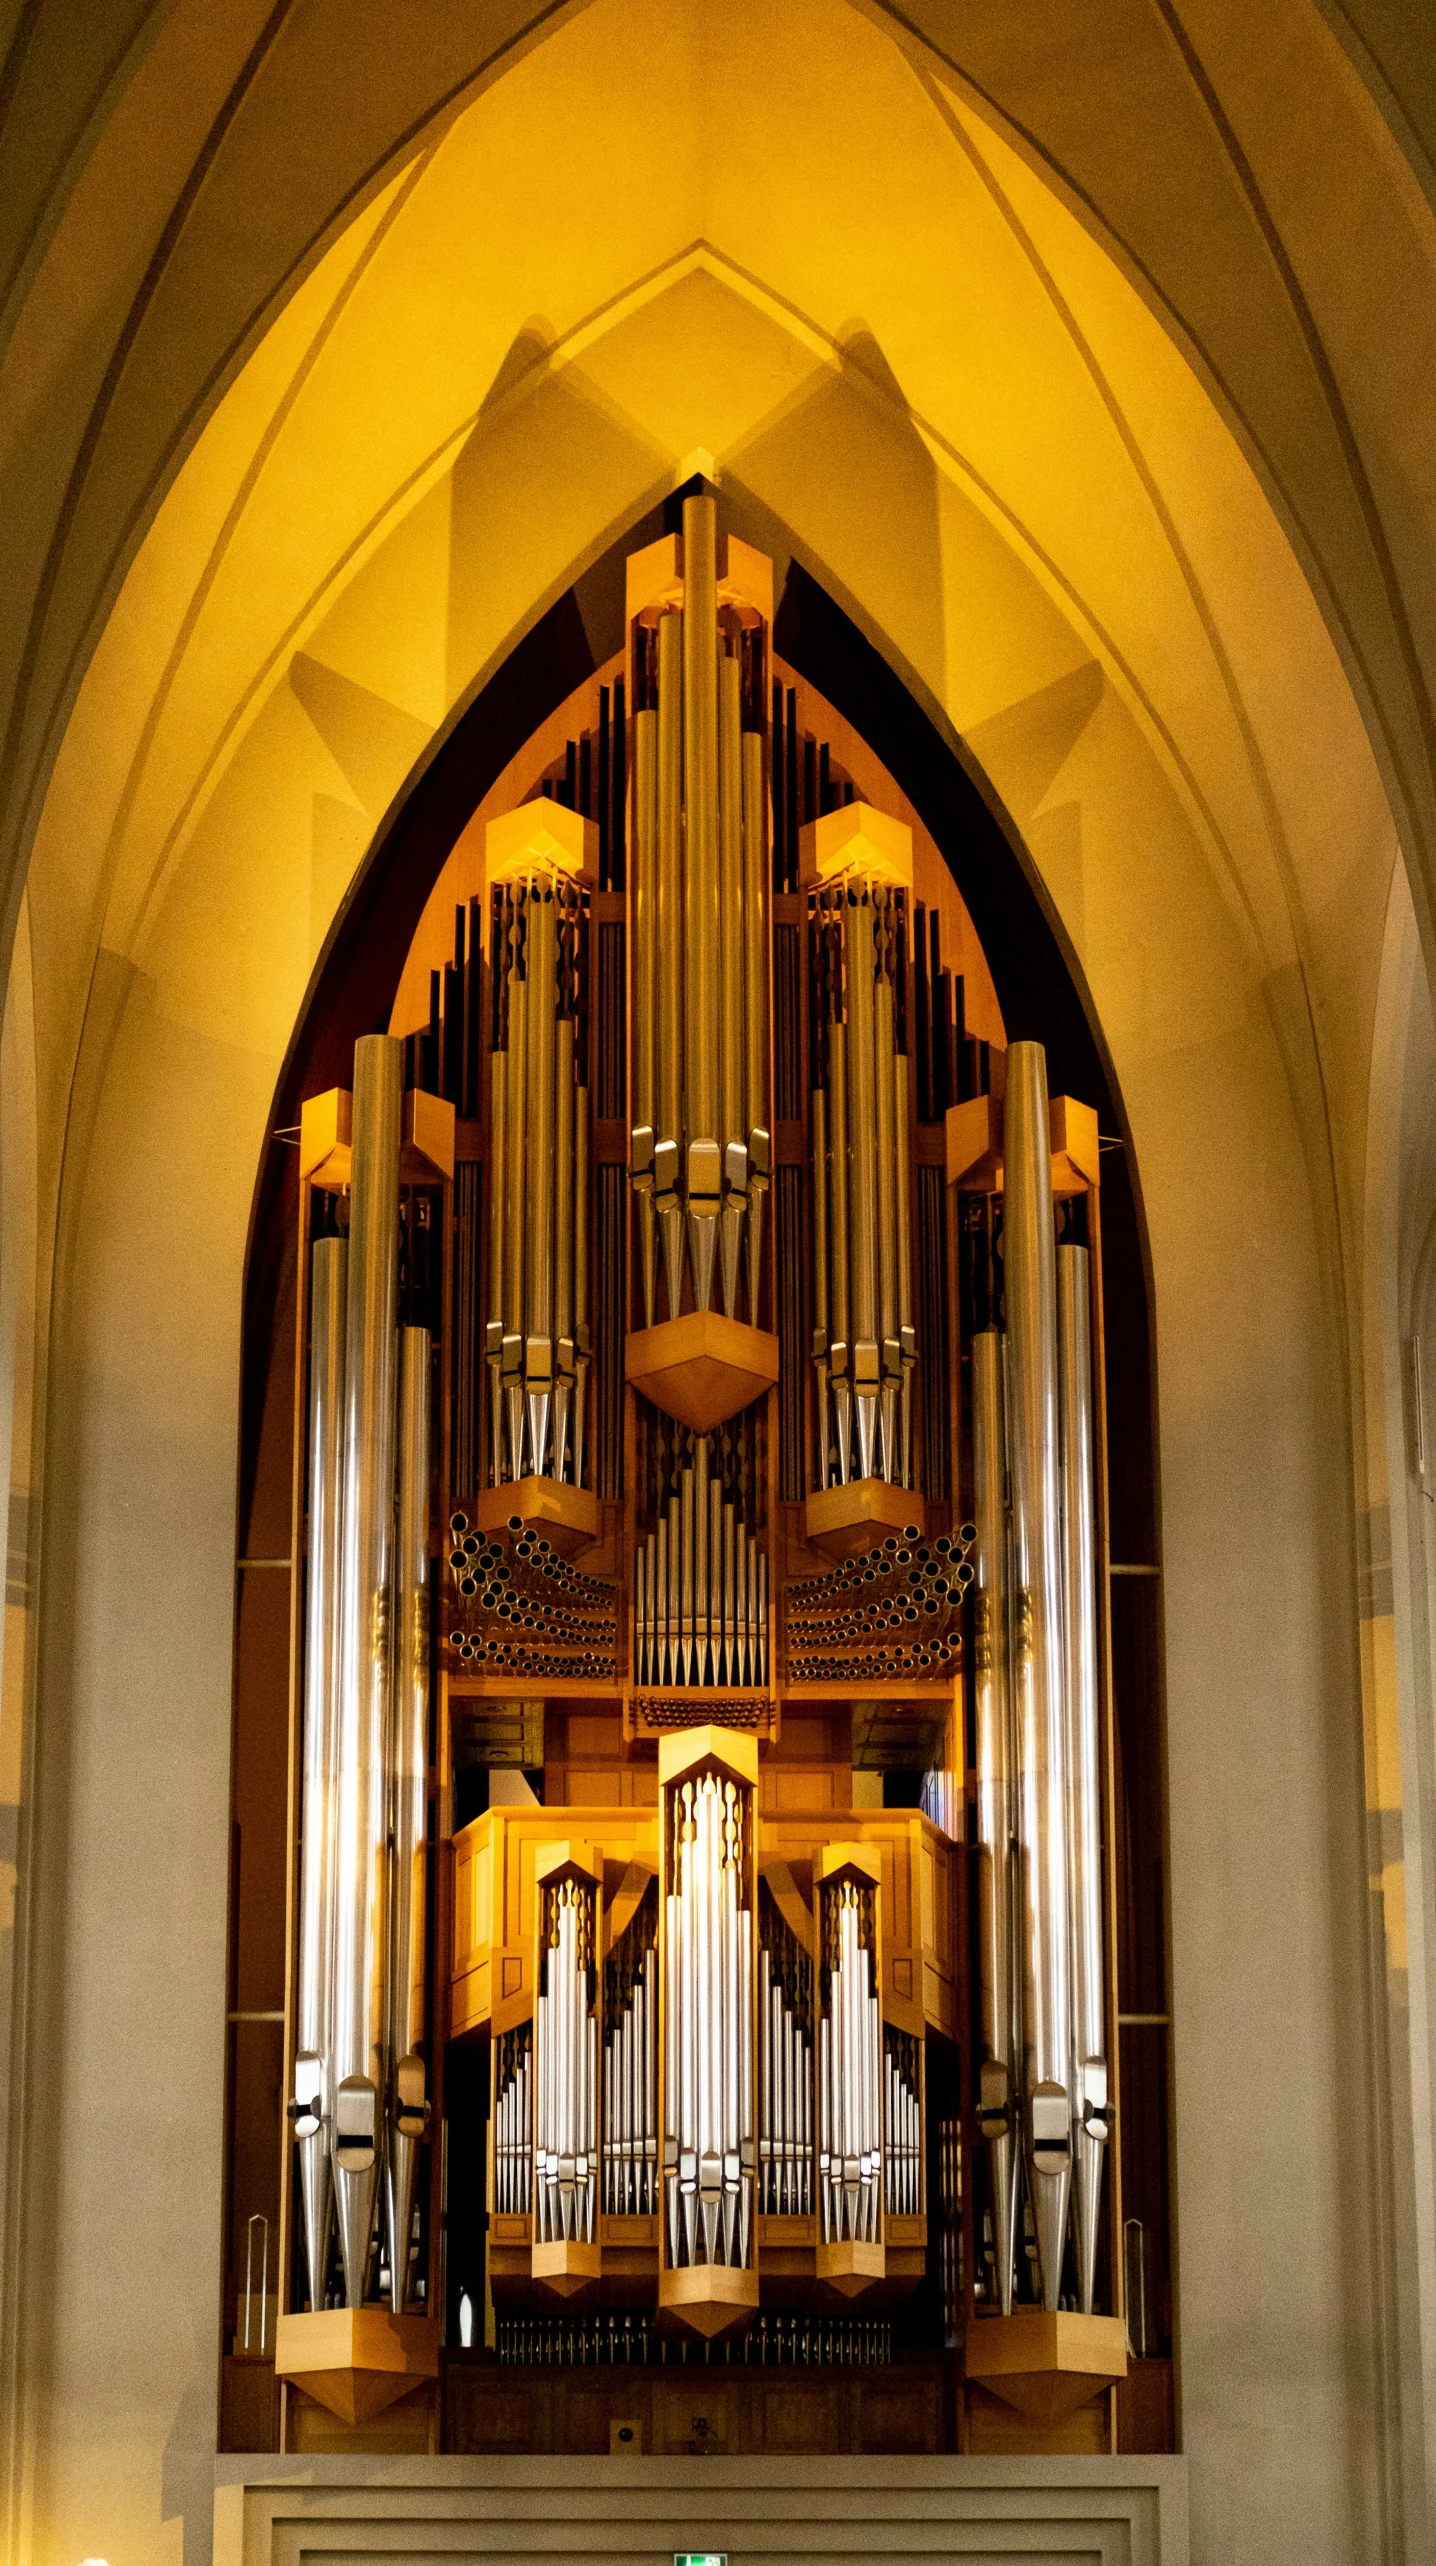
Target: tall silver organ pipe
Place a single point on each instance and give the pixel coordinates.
(630, 2068)
(668, 927)
(408, 2101)
(998, 1978)
(700, 1590)
(361, 1850)
(850, 2064)
(1089, 2053)
(1038, 1607)
(313, 2098)
(864, 1340)
(645, 996)
(538, 1264)
(566, 2064)
(699, 1143)
(708, 2154)
(755, 1004)
(785, 2069)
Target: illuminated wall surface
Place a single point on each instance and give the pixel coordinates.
(1084, 360)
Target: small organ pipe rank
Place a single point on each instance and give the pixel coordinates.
(538, 1330)
(850, 2084)
(566, 2065)
(630, 2072)
(700, 1588)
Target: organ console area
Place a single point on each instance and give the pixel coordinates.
(699, 1899)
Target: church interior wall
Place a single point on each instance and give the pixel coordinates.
(1022, 491)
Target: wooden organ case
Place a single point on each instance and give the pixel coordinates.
(701, 2000)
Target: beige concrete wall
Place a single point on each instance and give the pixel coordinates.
(952, 406)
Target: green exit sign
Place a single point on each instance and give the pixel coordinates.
(700, 2557)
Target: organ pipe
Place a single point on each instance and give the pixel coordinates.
(645, 995)
(1038, 1606)
(1089, 2061)
(366, 1545)
(312, 2106)
(408, 2107)
(999, 2017)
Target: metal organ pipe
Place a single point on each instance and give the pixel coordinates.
(361, 1855)
(732, 968)
(907, 1333)
(999, 2013)
(498, 1136)
(645, 995)
(408, 2104)
(516, 1095)
(1038, 1608)
(755, 1003)
(1089, 2060)
(669, 928)
(312, 2106)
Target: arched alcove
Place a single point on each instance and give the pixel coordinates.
(1110, 615)
(367, 979)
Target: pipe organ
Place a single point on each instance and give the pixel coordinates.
(701, 1373)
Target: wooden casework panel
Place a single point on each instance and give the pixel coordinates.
(408, 2428)
(919, 1918)
(997, 2431)
(698, 2409)
(494, 1859)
